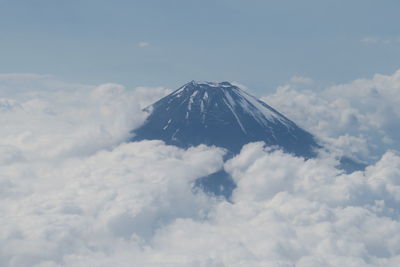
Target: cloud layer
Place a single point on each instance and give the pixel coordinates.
(74, 194)
(361, 118)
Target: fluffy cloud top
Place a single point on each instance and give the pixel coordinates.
(361, 118)
(46, 121)
(74, 194)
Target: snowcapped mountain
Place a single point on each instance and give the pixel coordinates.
(223, 115)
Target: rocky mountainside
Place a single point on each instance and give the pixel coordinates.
(223, 115)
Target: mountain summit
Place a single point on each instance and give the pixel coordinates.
(223, 115)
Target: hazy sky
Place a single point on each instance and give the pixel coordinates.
(168, 42)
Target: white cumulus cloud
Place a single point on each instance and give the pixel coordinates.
(74, 193)
(361, 118)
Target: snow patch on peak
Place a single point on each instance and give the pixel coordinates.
(260, 111)
(230, 103)
(230, 99)
(212, 84)
(191, 100)
(193, 85)
(235, 99)
(205, 96)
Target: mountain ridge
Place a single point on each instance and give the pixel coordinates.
(223, 115)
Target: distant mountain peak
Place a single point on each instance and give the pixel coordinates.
(210, 84)
(223, 115)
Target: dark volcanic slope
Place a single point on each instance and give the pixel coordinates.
(223, 115)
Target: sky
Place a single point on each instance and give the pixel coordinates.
(167, 43)
(76, 75)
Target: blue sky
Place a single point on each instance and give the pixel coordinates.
(261, 44)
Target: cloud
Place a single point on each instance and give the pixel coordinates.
(110, 199)
(73, 193)
(134, 205)
(143, 44)
(288, 212)
(146, 96)
(361, 118)
(376, 40)
(66, 120)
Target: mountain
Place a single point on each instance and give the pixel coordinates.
(223, 115)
